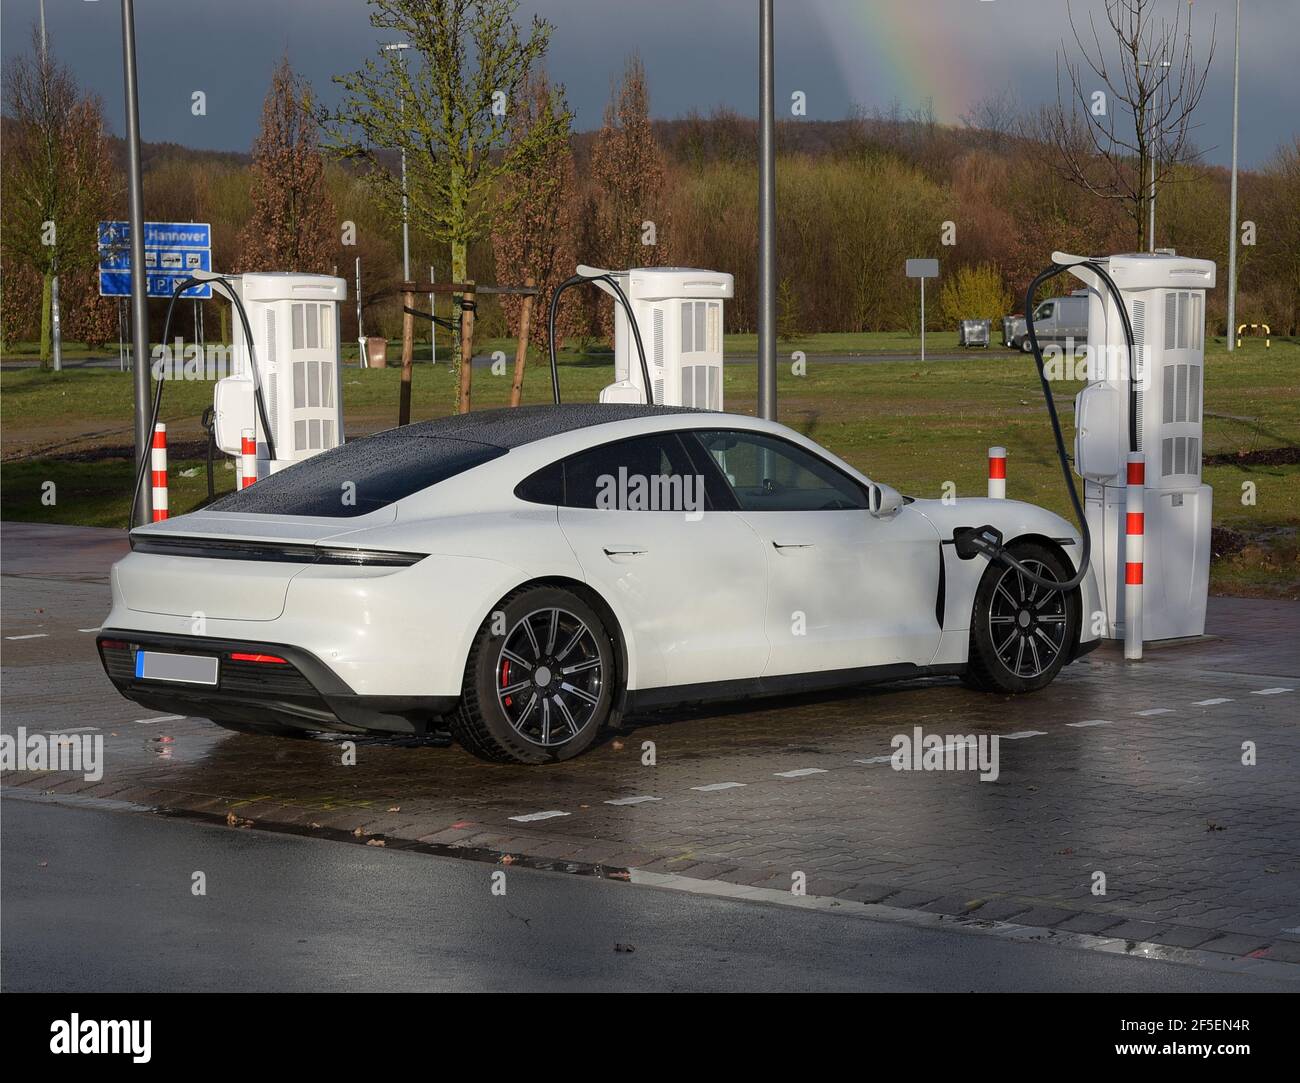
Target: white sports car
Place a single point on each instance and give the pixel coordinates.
(521, 577)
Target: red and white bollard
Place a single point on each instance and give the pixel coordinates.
(1134, 536)
(997, 473)
(158, 466)
(247, 458)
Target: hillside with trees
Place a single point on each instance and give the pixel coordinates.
(988, 198)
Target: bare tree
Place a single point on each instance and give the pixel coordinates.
(995, 115)
(1279, 248)
(629, 169)
(537, 241)
(292, 224)
(1126, 108)
(58, 179)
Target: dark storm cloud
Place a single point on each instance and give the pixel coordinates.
(698, 53)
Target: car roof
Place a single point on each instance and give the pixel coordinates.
(432, 450)
(511, 427)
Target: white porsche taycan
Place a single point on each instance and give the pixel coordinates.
(521, 577)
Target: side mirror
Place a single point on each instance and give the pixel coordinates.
(883, 501)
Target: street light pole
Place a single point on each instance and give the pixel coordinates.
(766, 215)
(1232, 200)
(401, 47)
(406, 218)
(139, 303)
(1151, 207)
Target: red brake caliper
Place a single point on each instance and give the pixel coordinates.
(505, 678)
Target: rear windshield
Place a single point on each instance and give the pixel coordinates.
(361, 476)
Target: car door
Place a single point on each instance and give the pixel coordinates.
(688, 579)
(846, 590)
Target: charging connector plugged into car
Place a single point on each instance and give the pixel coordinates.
(973, 541)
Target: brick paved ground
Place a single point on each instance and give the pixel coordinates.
(1197, 849)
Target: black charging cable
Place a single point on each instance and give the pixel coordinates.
(158, 391)
(578, 279)
(995, 551)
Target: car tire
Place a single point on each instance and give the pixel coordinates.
(539, 680)
(1026, 345)
(1021, 633)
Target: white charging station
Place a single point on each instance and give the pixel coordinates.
(679, 313)
(294, 319)
(1165, 298)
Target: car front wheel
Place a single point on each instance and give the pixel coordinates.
(1022, 633)
(539, 680)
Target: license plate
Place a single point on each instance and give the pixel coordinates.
(184, 668)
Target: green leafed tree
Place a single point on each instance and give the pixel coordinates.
(447, 102)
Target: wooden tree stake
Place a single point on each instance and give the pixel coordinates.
(408, 354)
(521, 349)
(467, 306)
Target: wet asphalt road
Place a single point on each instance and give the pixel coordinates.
(1133, 771)
(102, 901)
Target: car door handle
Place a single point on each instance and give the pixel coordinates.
(624, 553)
(782, 547)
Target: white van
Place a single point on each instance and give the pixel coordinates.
(1056, 320)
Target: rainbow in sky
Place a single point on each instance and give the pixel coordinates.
(900, 50)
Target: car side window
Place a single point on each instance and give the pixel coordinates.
(643, 473)
(1044, 311)
(546, 486)
(768, 474)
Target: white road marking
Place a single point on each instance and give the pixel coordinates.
(1269, 691)
(1154, 711)
(36, 635)
(1090, 722)
(94, 629)
(800, 773)
(537, 816)
(1023, 734)
(718, 786)
(1211, 702)
(633, 800)
(876, 759)
(77, 729)
(160, 718)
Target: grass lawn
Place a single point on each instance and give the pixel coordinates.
(911, 425)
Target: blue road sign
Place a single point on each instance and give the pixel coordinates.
(172, 251)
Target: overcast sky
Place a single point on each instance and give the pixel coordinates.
(698, 54)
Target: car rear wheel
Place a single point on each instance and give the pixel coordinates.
(1022, 633)
(539, 680)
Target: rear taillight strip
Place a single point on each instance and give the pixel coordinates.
(274, 552)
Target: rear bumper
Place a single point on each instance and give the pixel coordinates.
(301, 692)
